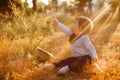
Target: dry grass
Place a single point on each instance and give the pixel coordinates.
(20, 37)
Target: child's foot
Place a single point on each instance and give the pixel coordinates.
(48, 66)
(63, 70)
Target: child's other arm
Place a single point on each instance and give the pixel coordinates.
(63, 28)
(89, 46)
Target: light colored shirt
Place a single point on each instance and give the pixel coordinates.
(82, 46)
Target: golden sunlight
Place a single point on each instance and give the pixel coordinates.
(45, 1)
(31, 5)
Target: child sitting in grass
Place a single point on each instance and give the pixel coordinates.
(82, 50)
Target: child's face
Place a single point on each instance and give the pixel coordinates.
(75, 27)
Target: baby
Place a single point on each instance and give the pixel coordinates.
(82, 50)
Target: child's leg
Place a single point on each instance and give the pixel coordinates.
(61, 63)
(74, 64)
(64, 62)
(79, 63)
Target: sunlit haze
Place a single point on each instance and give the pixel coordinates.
(44, 1)
(30, 2)
(59, 1)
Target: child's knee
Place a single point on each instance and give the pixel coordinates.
(73, 66)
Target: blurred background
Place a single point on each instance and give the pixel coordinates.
(69, 6)
(26, 25)
(98, 10)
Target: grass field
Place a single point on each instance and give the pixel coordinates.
(19, 60)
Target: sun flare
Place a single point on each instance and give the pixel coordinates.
(46, 2)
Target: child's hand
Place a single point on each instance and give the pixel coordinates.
(94, 60)
(55, 21)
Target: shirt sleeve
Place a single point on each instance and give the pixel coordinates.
(64, 29)
(89, 47)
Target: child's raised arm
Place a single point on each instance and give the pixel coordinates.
(62, 27)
